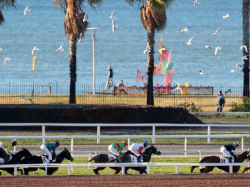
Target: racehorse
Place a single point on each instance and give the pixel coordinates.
(16, 158)
(38, 160)
(104, 158)
(215, 159)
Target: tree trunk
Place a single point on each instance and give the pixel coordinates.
(72, 66)
(150, 64)
(245, 13)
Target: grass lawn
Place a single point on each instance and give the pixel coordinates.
(108, 171)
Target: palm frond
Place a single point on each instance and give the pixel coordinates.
(7, 3)
(1, 18)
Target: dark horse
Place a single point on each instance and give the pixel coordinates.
(16, 158)
(38, 160)
(215, 159)
(103, 158)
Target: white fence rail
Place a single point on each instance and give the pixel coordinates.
(153, 136)
(122, 165)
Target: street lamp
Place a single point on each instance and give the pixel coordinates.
(93, 42)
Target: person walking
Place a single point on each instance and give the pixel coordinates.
(109, 80)
(120, 87)
(220, 101)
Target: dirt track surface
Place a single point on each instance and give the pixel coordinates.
(130, 180)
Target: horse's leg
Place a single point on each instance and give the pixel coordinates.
(117, 170)
(20, 171)
(246, 169)
(96, 170)
(26, 171)
(207, 169)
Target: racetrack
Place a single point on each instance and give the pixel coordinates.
(193, 180)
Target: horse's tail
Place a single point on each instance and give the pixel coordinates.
(93, 158)
(193, 167)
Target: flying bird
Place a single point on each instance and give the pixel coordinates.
(196, 2)
(112, 15)
(1, 49)
(217, 31)
(34, 49)
(208, 47)
(226, 16)
(26, 10)
(232, 70)
(184, 30)
(85, 19)
(24, 99)
(6, 59)
(146, 51)
(201, 72)
(216, 50)
(60, 48)
(238, 65)
(113, 25)
(190, 41)
(244, 47)
(245, 57)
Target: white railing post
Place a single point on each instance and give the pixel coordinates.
(147, 167)
(14, 148)
(46, 170)
(185, 147)
(98, 134)
(177, 170)
(88, 162)
(129, 142)
(199, 156)
(208, 133)
(123, 170)
(15, 171)
(43, 132)
(69, 170)
(153, 133)
(242, 143)
(72, 145)
(230, 169)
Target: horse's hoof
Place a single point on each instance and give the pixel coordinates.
(96, 171)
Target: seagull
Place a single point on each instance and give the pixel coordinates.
(26, 10)
(184, 30)
(245, 57)
(232, 70)
(60, 48)
(6, 59)
(177, 87)
(190, 41)
(113, 25)
(196, 2)
(217, 31)
(34, 49)
(208, 47)
(238, 65)
(2, 49)
(146, 51)
(112, 15)
(201, 72)
(216, 50)
(24, 99)
(226, 16)
(245, 47)
(85, 19)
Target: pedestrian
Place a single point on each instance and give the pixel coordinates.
(220, 101)
(109, 79)
(121, 86)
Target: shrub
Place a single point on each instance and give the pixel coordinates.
(244, 107)
(190, 107)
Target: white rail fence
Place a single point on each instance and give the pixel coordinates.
(153, 136)
(122, 165)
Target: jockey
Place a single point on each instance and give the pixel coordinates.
(116, 148)
(137, 148)
(48, 148)
(4, 155)
(229, 149)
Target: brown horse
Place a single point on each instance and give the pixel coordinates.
(215, 159)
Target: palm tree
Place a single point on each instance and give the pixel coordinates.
(245, 14)
(75, 29)
(5, 3)
(153, 17)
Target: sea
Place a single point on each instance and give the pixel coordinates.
(123, 49)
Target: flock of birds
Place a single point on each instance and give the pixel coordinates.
(218, 48)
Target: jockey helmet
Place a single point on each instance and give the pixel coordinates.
(57, 144)
(145, 143)
(125, 142)
(237, 143)
(13, 143)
